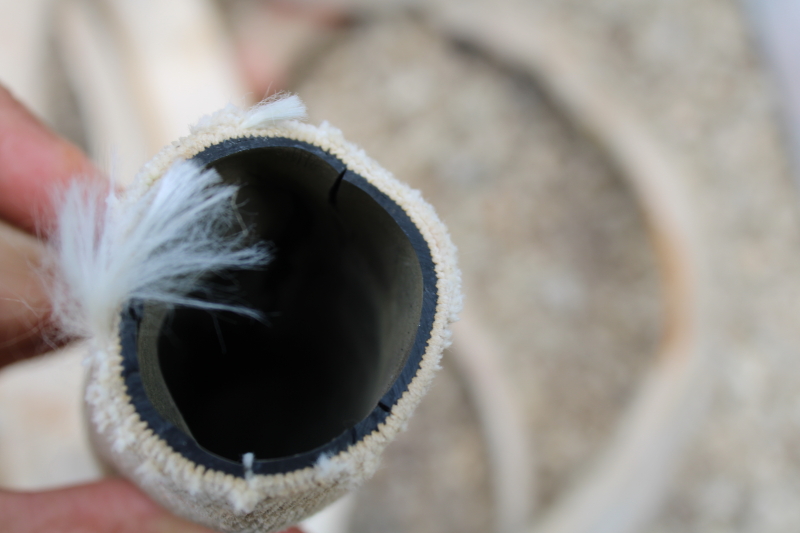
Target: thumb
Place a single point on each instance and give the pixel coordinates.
(106, 506)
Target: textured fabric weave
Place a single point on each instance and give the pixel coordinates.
(263, 502)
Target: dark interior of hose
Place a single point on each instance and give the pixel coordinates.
(342, 298)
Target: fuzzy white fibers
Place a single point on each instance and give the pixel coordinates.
(247, 463)
(157, 246)
(279, 107)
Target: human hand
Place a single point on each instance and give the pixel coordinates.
(33, 163)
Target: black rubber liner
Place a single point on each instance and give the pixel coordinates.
(290, 390)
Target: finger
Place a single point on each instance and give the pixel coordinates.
(112, 505)
(102, 507)
(34, 162)
(24, 305)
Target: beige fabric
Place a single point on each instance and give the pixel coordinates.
(263, 502)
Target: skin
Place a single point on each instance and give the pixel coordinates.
(33, 163)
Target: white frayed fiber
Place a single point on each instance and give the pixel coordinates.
(277, 108)
(247, 463)
(157, 247)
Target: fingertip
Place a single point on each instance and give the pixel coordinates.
(34, 162)
(108, 505)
